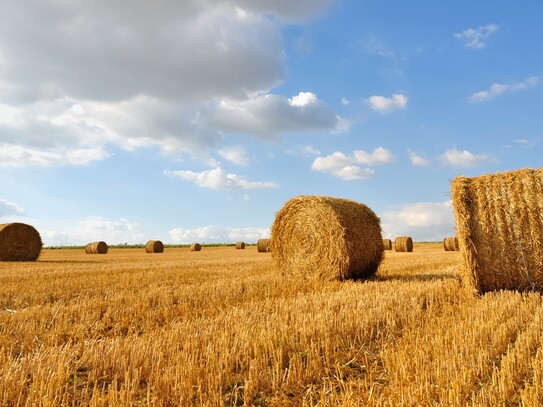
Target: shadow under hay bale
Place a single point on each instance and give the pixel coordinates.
(500, 229)
(19, 242)
(326, 238)
(240, 245)
(387, 244)
(195, 247)
(97, 248)
(450, 244)
(263, 245)
(154, 246)
(403, 244)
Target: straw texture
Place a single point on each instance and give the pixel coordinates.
(96, 248)
(263, 245)
(154, 246)
(387, 244)
(240, 245)
(326, 238)
(19, 242)
(403, 244)
(499, 223)
(450, 244)
(195, 247)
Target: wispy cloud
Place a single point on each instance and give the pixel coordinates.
(235, 154)
(417, 159)
(498, 88)
(218, 179)
(476, 37)
(8, 208)
(457, 158)
(386, 105)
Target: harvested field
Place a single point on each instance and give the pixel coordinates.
(223, 328)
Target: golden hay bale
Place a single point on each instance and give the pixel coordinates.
(387, 244)
(240, 245)
(154, 246)
(263, 245)
(450, 244)
(327, 238)
(499, 225)
(96, 248)
(195, 247)
(403, 244)
(19, 242)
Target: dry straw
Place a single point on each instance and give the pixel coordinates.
(326, 238)
(154, 246)
(263, 245)
(500, 229)
(240, 245)
(387, 244)
(450, 244)
(195, 247)
(19, 242)
(96, 248)
(403, 244)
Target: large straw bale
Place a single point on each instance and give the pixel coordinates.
(450, 244)
(240, 245)
(499, 223)
(403, 244)
(387, 244)
(195, 247)
(154, 246)
(263, 245)
(19, 242)
(326, 238)
(99, 247)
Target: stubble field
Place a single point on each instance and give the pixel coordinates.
(222, 327)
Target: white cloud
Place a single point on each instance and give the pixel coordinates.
(235, 154)
(8, 208)
(385, 105)
(218, 179)
(218, 234)
(423, 221)
(526, 143)
(476, 37)
(347, 167)
(455, 157)
(417, 159)
(498, 88)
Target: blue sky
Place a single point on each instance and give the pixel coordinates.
(197, 120)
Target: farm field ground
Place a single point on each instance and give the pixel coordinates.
(223, 327)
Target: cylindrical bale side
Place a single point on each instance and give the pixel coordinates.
(195, 247)
(403, 244)
(263, 245)
(326, 238)
(96, 248)
(240, 245)
(450, 244)
(154, 246)
(19, 242)
(387, 244)
(500, 230)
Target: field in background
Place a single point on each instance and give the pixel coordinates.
(221, 327)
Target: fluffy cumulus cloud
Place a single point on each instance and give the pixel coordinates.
(218, 234)
(423, 221)
(464, 158)
(418, 160)
(386, 105)
(216, 178)
(78, 76)
(476, 37)
(348, 167)
(498, 88)
(8, 209)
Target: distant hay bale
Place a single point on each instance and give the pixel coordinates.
(403, 244)
(240, 245)
(195, 247)
(450, 244)
(387, 244)
(154, 246)
(499, 225)
(96, 248)
(263, 245)
(19, 242)
(326, 238)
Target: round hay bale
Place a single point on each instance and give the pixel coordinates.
(387, 244)
(154, 246)
(263, 245)
(96, 248)
(240, 245)
(403, 244)
(195, 247)
(326, 238)
(450, 244)
(19, 242)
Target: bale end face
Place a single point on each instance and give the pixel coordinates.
(19, 242)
